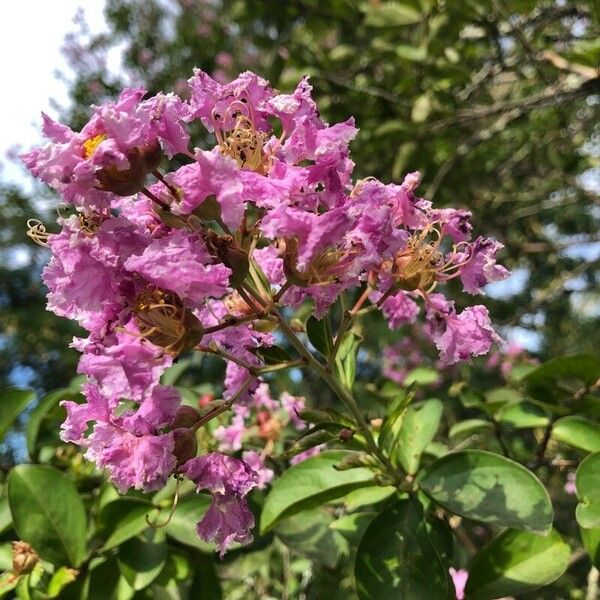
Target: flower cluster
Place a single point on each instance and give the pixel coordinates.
(207, 256)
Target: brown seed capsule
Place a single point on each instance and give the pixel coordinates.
(186, 444)
(269, 426)
(186, 416)
(24, 558)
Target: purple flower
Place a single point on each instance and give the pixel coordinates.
(142, 462)
(230, 437)
(255, 461)
(307, 454)
(399, 309)
(481, 267)
(464, 335)
(292, 406)
(181, 263)
(228, 479)
(227, 520)
(220, 474)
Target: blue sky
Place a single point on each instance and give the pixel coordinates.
(31, 35)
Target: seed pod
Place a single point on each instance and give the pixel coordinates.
(24, 558)
(186, 444)
(186, 416)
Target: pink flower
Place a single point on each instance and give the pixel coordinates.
(230, 437)
(292, 406)
(227, 520)
(481, 267)
(142, 462)
(307, 454)
(570, 487)
(255, 461)
(460, 336)
(459, 579)
(181, 263)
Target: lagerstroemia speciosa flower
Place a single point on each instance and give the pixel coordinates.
(155, 264)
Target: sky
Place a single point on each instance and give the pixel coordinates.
(31, 35)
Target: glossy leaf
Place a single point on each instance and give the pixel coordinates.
(319, 335)
(591, 541)
(142, 558)
(419, 427)
(578, 432)
(516, 562)
(12, 403)
(577, 370)
(587, 481)
(390, 14)
(43, 407)
(369, 495)
(422, 376)
(182, 526)
(48, 513)
(522, 415)
(308, 533)
(468, 427)
(123, 519)
(353, 526)
(308, 484)
(488, 487)
(395, 558)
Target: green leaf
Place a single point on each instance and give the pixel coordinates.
(395, 558)
(412, 53)
(422, 376)
(48, 513)
(464, 429)
(587, 482)
(390, 14)
(12, 402)
(5, 516)
(353, 527)
(308, 484)
(60, 579)
(516, 562)
(490, 488)
(311, 439)
(308, 533)
(142, 558)
(369, 495)
(542, 383)
(591, 541)
(578, 432)
(273, 355)
(419, 427)
(182, 526)
(104, 582)
(43, 407)
(319, 335)
(522, 415)
(205, 584)
(122, 519)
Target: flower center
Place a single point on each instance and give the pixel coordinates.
(163, 320)
(245, 145)
(89, 146)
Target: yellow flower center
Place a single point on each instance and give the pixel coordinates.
(89, 146)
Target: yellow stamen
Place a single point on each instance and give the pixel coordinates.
(245, 145)
(165, 322)
(89, 146)
(36, 230)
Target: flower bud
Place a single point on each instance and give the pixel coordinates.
(24, 558)
(186, 416)
(205, 399)
(186, 444)
(352, 461)
(269, 426)
(346, 434)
